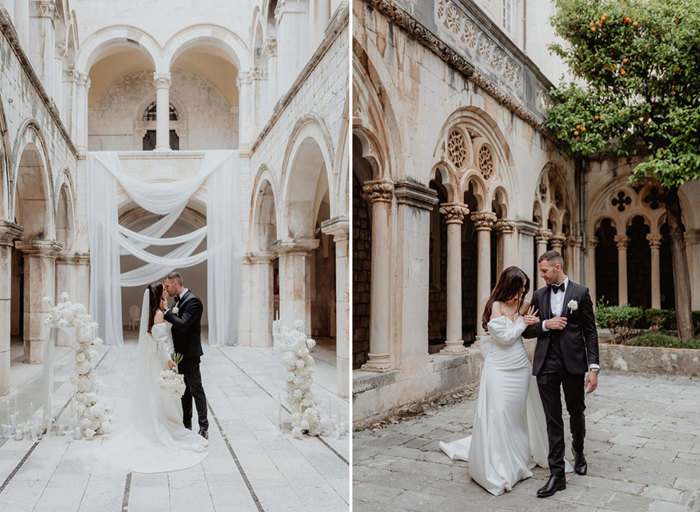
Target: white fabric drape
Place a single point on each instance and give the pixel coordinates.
(109, 240)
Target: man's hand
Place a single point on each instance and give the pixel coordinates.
(557, 323)
(171, 365)
(591, 382)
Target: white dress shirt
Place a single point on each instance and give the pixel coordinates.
(556, 305)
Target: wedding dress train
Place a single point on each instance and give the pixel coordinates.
(155, 440)
(510, 430)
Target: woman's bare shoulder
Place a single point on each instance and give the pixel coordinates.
(159, 318)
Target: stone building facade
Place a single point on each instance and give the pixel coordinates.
(455, 178)
(264, 77)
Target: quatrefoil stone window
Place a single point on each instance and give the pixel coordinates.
(485, 162)
(622, 200)
(457, 148)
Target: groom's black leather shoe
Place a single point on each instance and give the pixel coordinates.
(553, 485)
(204, 434)
(580, 464)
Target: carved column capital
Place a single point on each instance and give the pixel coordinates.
(654, 241)
(592, 242)
(73, 258)
(42, 9)
(60, 50)
(543, 235)
(295, 245)
(9, 232)
(262, 257)
(454, 212)
(243, 78)
(162, 80)
(43, 248)
(622, 241)
(270, 47)
(505, 226)
(339, 227)
(82, 79)
(376, 191)
(558, 240)
(483, 221)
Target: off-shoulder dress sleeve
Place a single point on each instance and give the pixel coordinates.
(504, 331)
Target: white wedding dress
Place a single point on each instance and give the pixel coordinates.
(510, 430)
(155, 440)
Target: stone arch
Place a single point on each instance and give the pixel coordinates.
(65, 211)
(443, 174)
(4, 165)
(553, 192)
(473, 179)
(210, 35)
(119, 35)
(499, 201)
(308, 156)
(32, 164)
(264, 207)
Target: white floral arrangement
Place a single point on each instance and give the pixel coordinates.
(171, 381)
(297, 360)
(94, 415)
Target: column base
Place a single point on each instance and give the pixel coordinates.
(377, 363)
(162, 148)
(33, 351)
(454, 348)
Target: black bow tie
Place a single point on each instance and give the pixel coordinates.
(176, 299)
(557, 287)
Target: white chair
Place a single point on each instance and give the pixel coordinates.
(134, 317)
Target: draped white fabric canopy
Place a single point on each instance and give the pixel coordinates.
(109, 240)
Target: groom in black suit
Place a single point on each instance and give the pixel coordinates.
(566, 356)
(186, 317)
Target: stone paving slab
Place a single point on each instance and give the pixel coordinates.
(242, 386)
(642, 444)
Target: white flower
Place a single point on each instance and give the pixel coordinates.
(89, 434)
(64, 297)
(47, 301)
(299, 325)
(573, 305)
(310, 343)
(80, 357)
(97, 342)
(175, 310)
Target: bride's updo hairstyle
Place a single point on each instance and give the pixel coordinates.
(509, 285)
(155, 292)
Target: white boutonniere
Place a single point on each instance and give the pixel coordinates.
(175, 310)
(573, 305)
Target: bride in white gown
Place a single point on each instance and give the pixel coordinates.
(155, 439)
(510, 431)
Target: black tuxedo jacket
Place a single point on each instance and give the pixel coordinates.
(187, 326)
(578, 340)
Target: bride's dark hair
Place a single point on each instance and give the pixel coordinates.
(509, 285)
(155, 292)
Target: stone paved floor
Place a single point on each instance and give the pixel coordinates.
(242, 386)
(642, 446)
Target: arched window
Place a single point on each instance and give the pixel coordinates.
(151, 114)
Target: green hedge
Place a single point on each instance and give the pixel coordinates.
(662, 339)
(627, 321)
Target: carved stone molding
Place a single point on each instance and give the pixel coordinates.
(82, 79)
(339, 227)
(454, 212)
(558, 240)
(654, 241)
(270, 47)
(43, 248)
(9, 232)
(621, 241)
(592, 242)
(260, 258)
(304, 245)
(257, 74)
(162, 80)
(243, 78)
(483, 221)
(414, 194)
(446, 53)
(73, 258)
(42, 9)
(61, 48)
(378, 191)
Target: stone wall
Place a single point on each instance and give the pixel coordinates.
(205, 120)
(361, 275)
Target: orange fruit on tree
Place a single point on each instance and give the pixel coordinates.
(583, 128)
(598, 24)
(576, 133)
(592, 29)
(678, 69)
(635, 24)
(597, 117)
(623, 72)
(624, 61)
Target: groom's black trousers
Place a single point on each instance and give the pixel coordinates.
(549, 382)
(189, 368)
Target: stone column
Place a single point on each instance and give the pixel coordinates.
(411, 257)
(42, 41)
(270, 51)
(162, 82)
(81, 129)
(261, 306)
(72, 277)
(245, 134)
(483, 223)
(293, 279)
(454, 216)
(541, 238)
(39, 282)
(576, 249)
(569, 242)
(339, 227)
(58, 96)
(591, 244)
(379, 193)
(293, 37)
(654, 246)
(558, 242)
(692, 249)
(507, 257)
(622, 241)
(69, 101)
(9, 232)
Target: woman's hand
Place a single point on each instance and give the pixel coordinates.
(531, 317)
(159, 318)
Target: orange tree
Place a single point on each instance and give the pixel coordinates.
(637, 94)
